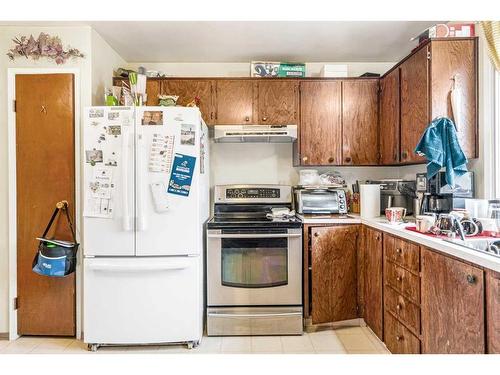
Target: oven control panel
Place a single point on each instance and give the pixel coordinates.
(249, 193)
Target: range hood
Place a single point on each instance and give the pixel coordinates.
(255, 133)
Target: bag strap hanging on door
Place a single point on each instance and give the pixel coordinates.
(63, 205)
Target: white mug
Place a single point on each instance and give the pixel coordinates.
(424, 223)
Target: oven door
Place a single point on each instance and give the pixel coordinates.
(248, 267)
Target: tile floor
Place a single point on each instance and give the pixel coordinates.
(348, 340)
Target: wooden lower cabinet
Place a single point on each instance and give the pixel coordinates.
(452, 305)
(333, 273)
(492, 312)
(398, 339)
(373, 285)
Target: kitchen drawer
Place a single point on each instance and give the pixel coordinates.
(397, 338)
(402, 252)
(405, 310)
(402, 280)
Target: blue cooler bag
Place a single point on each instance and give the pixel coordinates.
(56, 258)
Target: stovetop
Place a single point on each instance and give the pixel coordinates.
(219, 222)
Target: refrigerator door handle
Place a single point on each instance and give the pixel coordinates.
(109, 267)
(141, 218)
(125, 196)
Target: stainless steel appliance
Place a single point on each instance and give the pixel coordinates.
(254, 263)
(441, 197)
(320, 201)
(395, 193)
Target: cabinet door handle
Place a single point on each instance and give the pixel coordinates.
(348, 159)
(399, 278)
(264, 119)
(471, 279)
(330, 159)
(404, 154)
(247, 118)
(316, 234)
(399, 250)
(399, 338)
(398, 307)
(305, 158)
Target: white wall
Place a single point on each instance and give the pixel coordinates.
(104, 62)
(355, 69)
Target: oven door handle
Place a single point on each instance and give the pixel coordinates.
(263, 235)
(268, 315)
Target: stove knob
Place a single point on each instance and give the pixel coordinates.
(240, 195)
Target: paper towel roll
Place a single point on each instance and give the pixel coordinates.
(369, 200)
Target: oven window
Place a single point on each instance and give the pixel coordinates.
(254, 262)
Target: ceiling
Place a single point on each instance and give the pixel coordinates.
(244, 41)
(228, 41)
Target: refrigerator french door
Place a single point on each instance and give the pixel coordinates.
(143, 241)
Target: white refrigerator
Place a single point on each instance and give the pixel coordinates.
(146, 199)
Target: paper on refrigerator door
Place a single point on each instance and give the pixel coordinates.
(99, 194)
(159, 194)
(160, 154)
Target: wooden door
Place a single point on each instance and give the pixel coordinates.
(414, 104)
(188, 90)
(389, 118)
(45, 174)
(360, 122)
(373, 312)
(334, 285)
(452, 305)
(320, 123)
(493, 312)
(449, 59)
(234, 102)
(153, 89)
(278, 102)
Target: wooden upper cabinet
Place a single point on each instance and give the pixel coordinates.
(188, 89)
(360, 122)
(452, 305)
(389, 118)
(493, 312)
(455, 60)
(153, 89)
(373, 309)
(414, 104)
(234, 102)
(333, 264)
(321, 122)
(278, 102)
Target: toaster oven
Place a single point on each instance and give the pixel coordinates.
(320, 201)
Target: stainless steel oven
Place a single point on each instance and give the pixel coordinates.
(254, 273)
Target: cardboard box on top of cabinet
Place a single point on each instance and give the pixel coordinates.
(277, 69)
(448, 30)
(333, 70)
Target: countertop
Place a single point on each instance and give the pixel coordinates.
(380, 223)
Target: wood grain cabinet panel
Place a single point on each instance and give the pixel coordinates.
(414, 104)
(389, 118)
(397, 338)
(153, 89)
(188, 89)
(403, 253)
(452, 305)
(278, 102)
(321, 122)
(334, 283)
(493, 311)
(234, 102)
(456, 59)
(403, 309)
(373, 303)
(405, 282)
(360, 122)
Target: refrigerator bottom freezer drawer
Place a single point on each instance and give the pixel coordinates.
(142, 300)
(253, 321)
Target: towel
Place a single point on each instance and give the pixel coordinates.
(439, 144)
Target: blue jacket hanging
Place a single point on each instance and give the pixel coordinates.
(439, 144)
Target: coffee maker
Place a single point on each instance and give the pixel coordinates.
(439, 197)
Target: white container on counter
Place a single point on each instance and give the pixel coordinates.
(477, 207)
(309, 177)
(369, 201)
